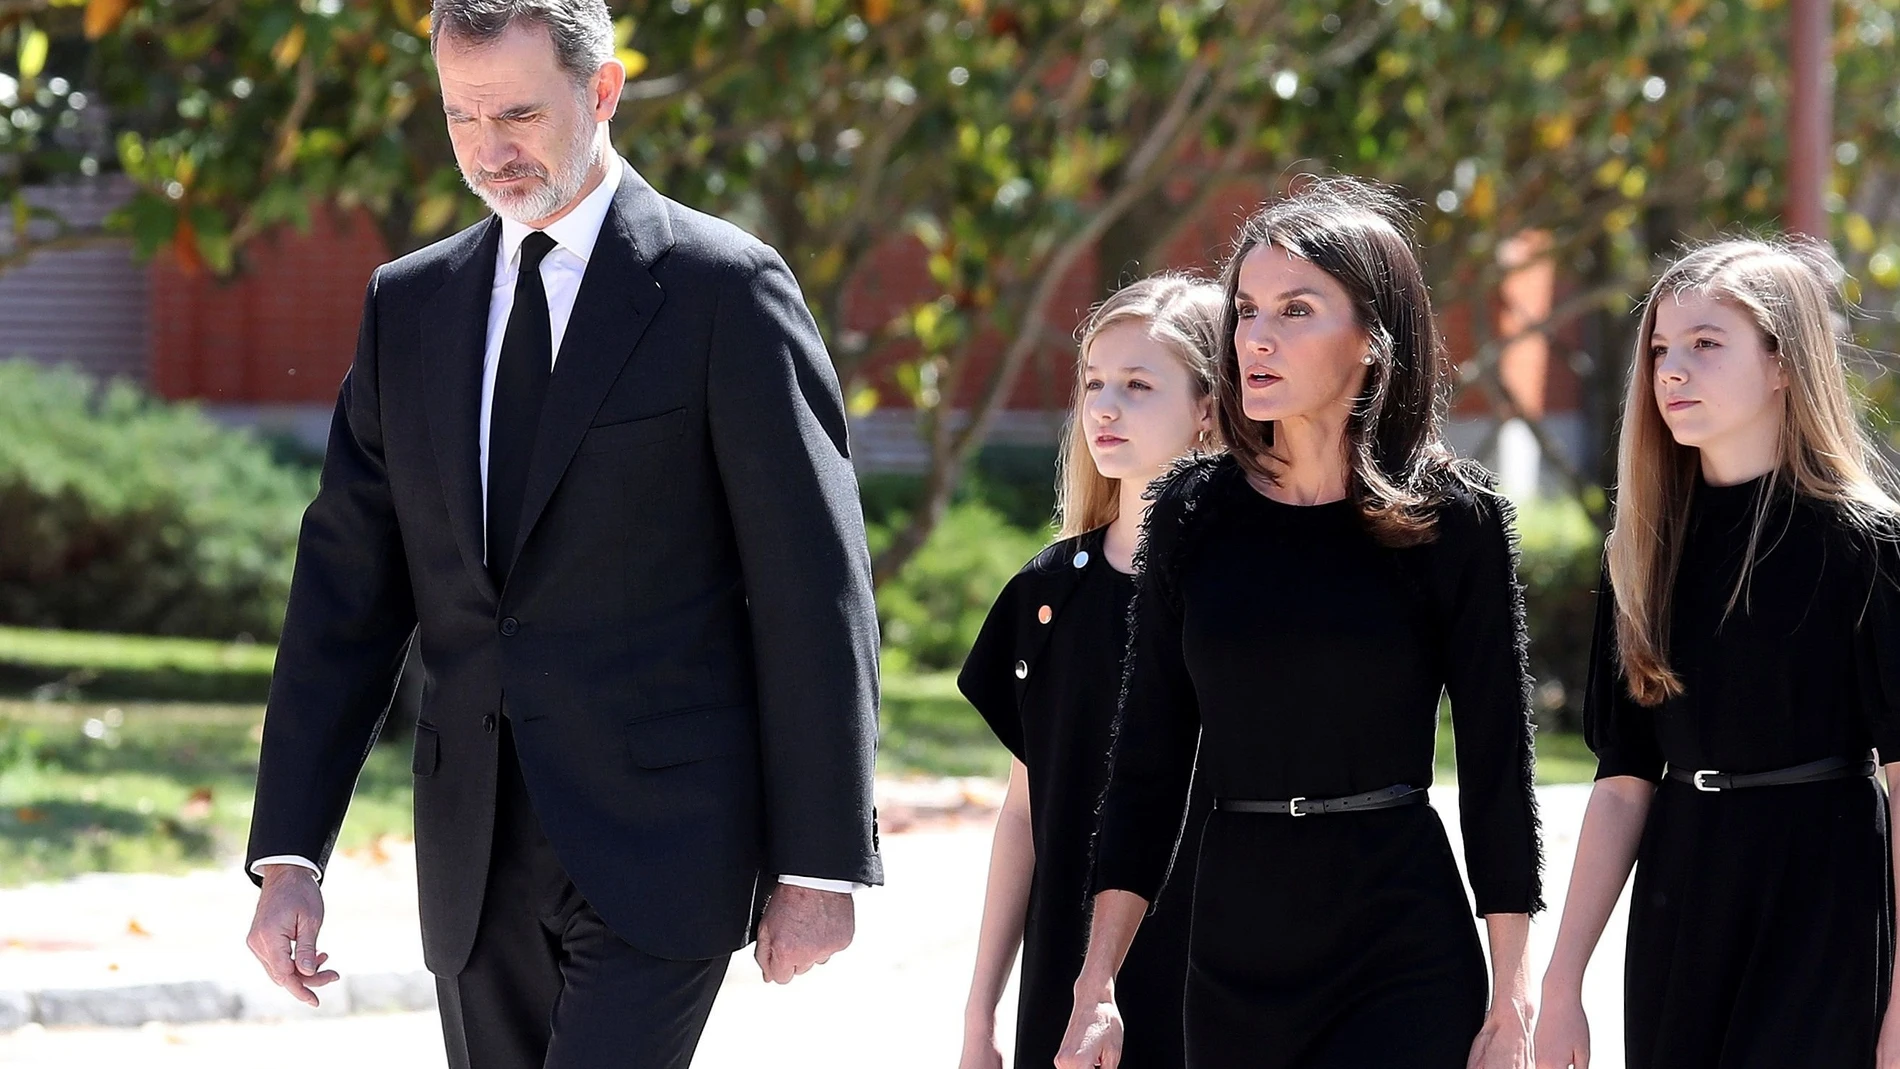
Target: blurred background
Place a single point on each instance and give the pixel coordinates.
(198, 191)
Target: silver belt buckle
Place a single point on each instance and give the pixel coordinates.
(1701, 786)
(1293, 807)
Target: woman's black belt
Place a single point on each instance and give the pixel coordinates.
(1389, 798)
(1828, 768)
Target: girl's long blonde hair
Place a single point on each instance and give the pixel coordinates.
(1790, 288)
(1183, 314)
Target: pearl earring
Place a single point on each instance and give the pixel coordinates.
(1366, 359)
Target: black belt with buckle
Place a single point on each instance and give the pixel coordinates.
(1828, 768)
(1388, 798)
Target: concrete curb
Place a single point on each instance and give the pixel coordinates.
(198, 1001)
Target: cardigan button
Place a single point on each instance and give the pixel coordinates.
(1082, 559)
(1022, 670)
(1045, 614)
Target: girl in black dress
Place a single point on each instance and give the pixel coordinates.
(1045, 672)
(1747, 660)
(1302, 604)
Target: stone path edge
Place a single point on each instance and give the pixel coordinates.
(200, 1001)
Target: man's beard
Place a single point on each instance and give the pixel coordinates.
(548, 195)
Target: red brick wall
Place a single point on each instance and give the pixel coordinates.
(282, 332)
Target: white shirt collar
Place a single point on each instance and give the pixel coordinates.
(577, 230)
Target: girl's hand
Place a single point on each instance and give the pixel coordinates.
(1563, 1034)
(1887, 1051)
(980, 1048)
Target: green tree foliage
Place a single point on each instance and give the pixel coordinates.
(1009, 138)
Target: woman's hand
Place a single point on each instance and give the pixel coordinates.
(1505, 1040)
(1094, 1037)
(1563, 1033)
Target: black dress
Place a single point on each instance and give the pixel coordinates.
(1310, 660)
(1761, 922)
(1055, 714)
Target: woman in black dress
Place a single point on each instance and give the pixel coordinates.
(1747, 660)
(1046, 673)
(1303, 602)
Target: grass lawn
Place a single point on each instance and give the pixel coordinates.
(149, 787)
(96, 666)
(142, 786)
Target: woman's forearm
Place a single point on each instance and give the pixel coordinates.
(1606, 851)
(1509, 935)
(1117, 916)
(1005, 900)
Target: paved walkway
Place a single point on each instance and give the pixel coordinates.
(894, 998)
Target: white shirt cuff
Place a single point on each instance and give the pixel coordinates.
(257, 867)
(843, 887)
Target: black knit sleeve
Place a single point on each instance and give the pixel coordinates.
(1487, 677)
(1620, 732)
(1158, 724)
(1877, 652)
(988, 679)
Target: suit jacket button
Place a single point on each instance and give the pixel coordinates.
(488, 722)
(1022, 669)
(510, 626)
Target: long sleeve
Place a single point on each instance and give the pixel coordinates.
(988, 679)
(1877, 648)
(778, 430)
(350, 616)
(1487, 677)
(1620, 732)
(1158, 725)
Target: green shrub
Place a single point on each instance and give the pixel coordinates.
(930, 614)
(1563, 550)
(119, 512)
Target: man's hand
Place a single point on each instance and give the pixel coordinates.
(284, 931)
(802, 927)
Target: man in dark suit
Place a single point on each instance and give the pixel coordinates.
(591, 454)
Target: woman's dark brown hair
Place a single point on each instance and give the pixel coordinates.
(1399, 463)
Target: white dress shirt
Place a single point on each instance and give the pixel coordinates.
(574, 235)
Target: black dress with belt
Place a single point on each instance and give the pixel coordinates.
(1310, 659)
(1045, 672)
(1761, 921)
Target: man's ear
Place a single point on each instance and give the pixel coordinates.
(609, 80)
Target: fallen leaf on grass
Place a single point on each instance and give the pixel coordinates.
(198, 806)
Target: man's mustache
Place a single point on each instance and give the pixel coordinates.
(510, 174)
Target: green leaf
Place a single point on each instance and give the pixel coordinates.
(34, 45)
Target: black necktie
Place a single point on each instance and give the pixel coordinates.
(521, 384)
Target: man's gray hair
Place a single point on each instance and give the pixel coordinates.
(582, 32)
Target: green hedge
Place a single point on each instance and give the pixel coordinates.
(1563, 551)
(930, 614)
(122, 513)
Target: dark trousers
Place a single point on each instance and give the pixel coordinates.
(548, 984)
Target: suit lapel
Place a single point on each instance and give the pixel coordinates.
(617, 300)
(454, 341)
